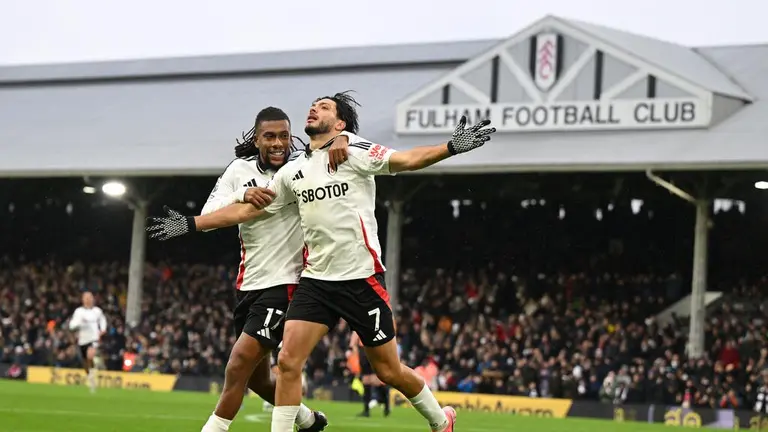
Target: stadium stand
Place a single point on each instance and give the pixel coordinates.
(514, 295)
(568, 335)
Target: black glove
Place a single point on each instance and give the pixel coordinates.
(466, 139)
(174, 225)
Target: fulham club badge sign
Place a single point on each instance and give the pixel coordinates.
(545, 65)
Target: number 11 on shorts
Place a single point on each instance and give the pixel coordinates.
(270, 312)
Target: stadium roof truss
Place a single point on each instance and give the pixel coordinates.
(632, 58)
(568, 95)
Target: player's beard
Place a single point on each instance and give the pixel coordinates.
(320, 129)
(266, 162)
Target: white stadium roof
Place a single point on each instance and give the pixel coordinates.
(181, 115)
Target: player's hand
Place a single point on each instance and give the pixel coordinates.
(338, 153)
(466, 139)
(173, 225)
(259, 197)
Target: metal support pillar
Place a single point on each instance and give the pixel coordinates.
(392, 255)
(136, 266)
(699, 280)
(699, 276)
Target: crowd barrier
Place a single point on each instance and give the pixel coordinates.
(673, 415)
(562, 408)
(500, 404)
(104, 379)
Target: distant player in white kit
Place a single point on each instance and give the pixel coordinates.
(91, 324)
(271, 251)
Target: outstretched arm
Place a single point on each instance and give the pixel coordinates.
(378, 159)
(418, 158)
(176, 224)
(230, 215)
(463, 140)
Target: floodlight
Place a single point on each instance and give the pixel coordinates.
(761, 185)
(113, 189)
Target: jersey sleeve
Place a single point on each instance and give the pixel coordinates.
(280, 185)
(226, 190)
(74, 322)
(102, 321)
(368, 158)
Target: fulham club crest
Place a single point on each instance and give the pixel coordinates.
(330, 170)
(545, 58)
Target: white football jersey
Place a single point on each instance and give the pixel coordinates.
(89, 323)
(336, 208)
(271, 246)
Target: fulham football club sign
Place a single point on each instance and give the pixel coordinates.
(553, 78)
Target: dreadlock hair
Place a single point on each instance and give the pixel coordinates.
(345, 109)
(247, 147)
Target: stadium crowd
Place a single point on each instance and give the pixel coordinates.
(561, 335)
(566, 311)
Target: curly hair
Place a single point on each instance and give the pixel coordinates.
(345, 109)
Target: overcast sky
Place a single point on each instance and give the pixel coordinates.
(46, 31)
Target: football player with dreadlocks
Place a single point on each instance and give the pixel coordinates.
(344, 275)
(271, 262)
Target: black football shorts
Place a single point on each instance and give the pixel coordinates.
(363, 303)
(84, 349)
(261, 314)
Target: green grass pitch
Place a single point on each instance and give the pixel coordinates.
(28, 407)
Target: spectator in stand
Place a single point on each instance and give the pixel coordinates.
(428, 370)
